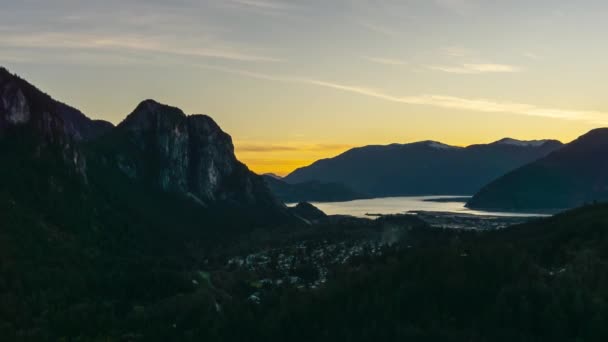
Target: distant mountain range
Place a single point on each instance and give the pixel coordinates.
(423, 168)
(134, 233)
(272, 175)
(569, 177)
(312, 191)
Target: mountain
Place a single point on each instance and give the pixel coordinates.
(569, 177)
(188, 155)
(423, 168)
(95, 215)
(312, 191)
(126, 234)
(24, 106)
(272, 175)
(308, 212)
(158, 171)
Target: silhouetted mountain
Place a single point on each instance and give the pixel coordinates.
(24, 106)
(157, 170)
(189, 155)
(312, 191)
(123, 234)
(569, 177)
(423, 168)
(308, 212)
(91, 211)
(275, 176)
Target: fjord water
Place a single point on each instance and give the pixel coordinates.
(400, 205)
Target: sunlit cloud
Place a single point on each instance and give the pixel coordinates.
(265, 148)
(261, 6)
(283, 158)
(80, 57)
(379, 29)
(532, 55)
(458, 52)
(477, 105)
(133, 43)
(386, 61)
(461, 7)
(476, 68)
(442, 101)
(278, 166)
(269, 148)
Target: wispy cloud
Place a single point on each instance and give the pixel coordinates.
(263, 148)
(458, 52)
(263, 6)
(133, 43)
(379, 29)
(461, 7)
(476, 68)
(283, 158)
(532, 55)
(386, 61)
(442, 101)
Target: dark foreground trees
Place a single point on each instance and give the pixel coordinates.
(546, 280)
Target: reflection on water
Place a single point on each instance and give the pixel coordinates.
(400, 205)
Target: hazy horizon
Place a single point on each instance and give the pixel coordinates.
(294, 81)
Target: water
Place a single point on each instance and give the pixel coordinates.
(400, 205)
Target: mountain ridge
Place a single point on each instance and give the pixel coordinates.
(568, 177)
(23, 104)
(312, 191)
(408, 169)
(156, 149)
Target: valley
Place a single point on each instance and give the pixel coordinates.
(153, 230)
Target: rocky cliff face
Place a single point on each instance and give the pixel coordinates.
(157, 147)
(44, 128)
(23, 105)
(185, 154)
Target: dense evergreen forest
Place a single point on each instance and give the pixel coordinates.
(154, 231)
(545, 280)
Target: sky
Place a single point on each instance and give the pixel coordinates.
(296, 81)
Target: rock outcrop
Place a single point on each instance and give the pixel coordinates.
(157, 148)
(23, 105)
(191, 155)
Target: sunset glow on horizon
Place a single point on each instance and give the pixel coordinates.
(296, 81)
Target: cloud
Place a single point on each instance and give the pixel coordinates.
(461, 7)
(476, 68)
(379, 29)
(278, 166)
(133, 43)
(490, 106)
(459, 52)
(264, 148)
(75, 58)
(386, 61)
(261, 6)
(532, 55)
(441, 101)
(285, 157)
